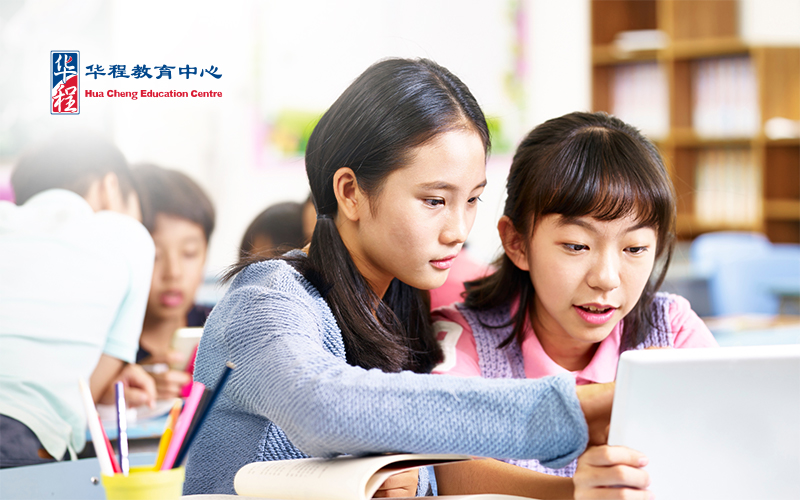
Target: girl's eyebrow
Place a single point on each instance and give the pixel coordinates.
(575, 221)
(447, 186)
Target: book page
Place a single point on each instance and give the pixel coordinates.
(341, 478)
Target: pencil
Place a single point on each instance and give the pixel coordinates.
(163, 444)
(184, 420)
(226, 371)
(122, 428)
(198, 414)
(114, 462)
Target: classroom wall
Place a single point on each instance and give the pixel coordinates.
(525, 60)
(279, 56)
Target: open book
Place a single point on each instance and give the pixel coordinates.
(340, 478)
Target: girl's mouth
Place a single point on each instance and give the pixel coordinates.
(595, 314)
(445, 263)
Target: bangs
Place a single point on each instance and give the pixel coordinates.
(605, 174)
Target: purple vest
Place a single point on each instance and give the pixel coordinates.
(508, 363)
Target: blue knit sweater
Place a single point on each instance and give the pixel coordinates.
(293, 394)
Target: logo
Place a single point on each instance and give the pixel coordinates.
(64, 91)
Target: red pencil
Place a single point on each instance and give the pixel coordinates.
(110, 450)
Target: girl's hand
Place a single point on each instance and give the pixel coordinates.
(611, 472)
(169, 383)
(403, 484)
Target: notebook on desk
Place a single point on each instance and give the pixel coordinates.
(715, 423)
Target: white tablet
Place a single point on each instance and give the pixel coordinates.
(715, 423)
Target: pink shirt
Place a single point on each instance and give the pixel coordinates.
(461, 353)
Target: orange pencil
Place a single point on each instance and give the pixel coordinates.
(163, 444)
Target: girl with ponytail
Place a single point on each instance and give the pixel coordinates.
(333, 344)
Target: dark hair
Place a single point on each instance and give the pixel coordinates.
(282, 223)
(70, 161)
(577, 165)
(165, 191)
(394, 106)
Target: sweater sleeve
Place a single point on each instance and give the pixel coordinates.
(327, 407)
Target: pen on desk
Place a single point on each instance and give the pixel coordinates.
(226, 371)
(93, 420)
(163, 444)
(122, 427)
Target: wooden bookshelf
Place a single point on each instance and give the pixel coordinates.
(702, 39)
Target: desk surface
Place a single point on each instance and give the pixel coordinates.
(59, 480)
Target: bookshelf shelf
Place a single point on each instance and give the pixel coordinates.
(782, 209)
(610, 54)
(687, 137)
(712, 109)
(715, 47)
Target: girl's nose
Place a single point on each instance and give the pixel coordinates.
(604, 273)
(457, 228)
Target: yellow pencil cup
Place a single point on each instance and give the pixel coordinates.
(144, 483)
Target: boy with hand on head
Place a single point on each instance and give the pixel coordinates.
(75, 270)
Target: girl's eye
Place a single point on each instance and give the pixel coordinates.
(575, 247)
(637, 250)
(434, 202)
(474, 199)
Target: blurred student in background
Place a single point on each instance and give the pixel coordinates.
(277, 229)
(309, 218)
(75, 273)
(180, 218)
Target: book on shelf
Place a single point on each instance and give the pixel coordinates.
(725, 100)
(641, 97)
(340, 478)
(728, 188)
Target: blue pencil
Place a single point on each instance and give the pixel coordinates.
(122, 427)
(226, 371)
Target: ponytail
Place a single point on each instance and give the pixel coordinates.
(374, 333)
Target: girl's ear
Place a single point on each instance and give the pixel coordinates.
(348, 196)
(513, 243)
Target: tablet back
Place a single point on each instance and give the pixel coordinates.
(715, 423)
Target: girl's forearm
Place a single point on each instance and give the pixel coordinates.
(493, 476)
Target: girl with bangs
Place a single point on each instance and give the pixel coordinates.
(588, 233)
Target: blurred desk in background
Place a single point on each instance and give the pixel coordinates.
(754, 329)
(145, 428)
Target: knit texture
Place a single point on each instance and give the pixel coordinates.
(293, 395)
(489, 329)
